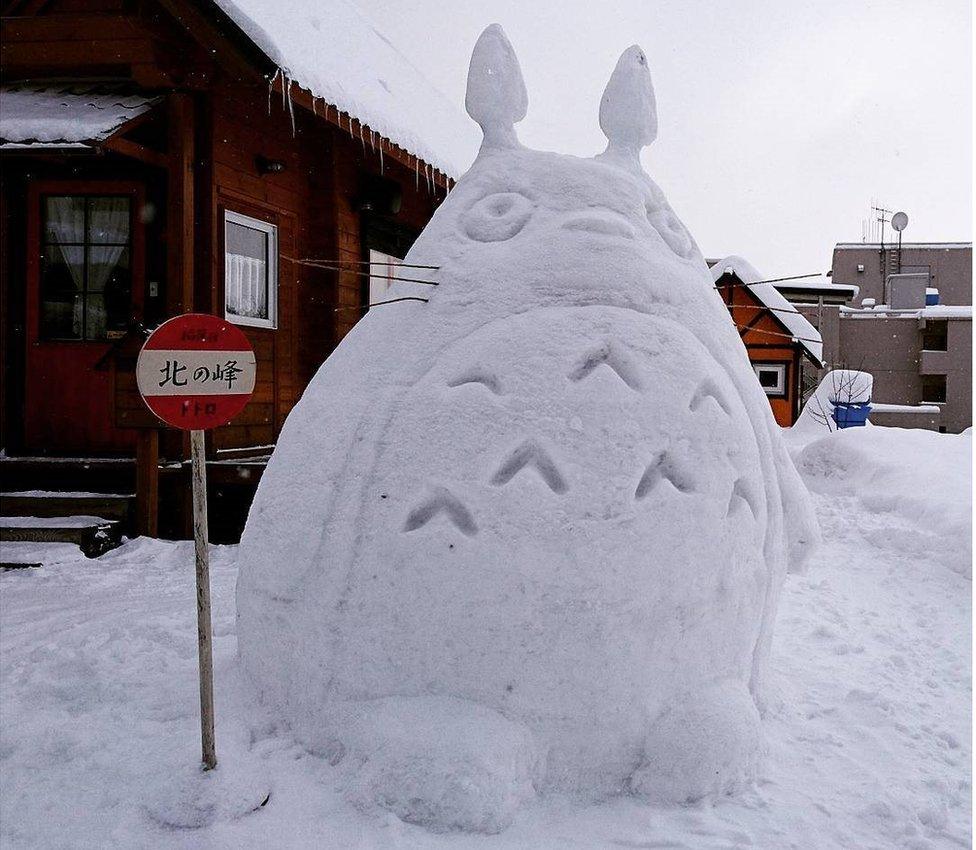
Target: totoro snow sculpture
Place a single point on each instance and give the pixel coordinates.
(529, 535)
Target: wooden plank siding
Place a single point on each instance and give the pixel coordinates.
(200, 158)
(763, 337)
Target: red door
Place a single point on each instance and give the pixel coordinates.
(84, 286)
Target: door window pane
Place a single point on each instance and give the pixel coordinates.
(62, 316)
(64, 219)
(108, 268)
(108, 220)
(63, 268)
(86, 279)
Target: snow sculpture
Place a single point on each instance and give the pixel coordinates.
(529, 535)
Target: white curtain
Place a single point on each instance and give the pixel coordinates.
(246, 286)
(66, 223)
(109, 221)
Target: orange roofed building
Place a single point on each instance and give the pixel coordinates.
(776, 336)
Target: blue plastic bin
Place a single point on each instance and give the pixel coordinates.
(851, 415)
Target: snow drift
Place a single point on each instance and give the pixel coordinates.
(529, 533)
(882, 469)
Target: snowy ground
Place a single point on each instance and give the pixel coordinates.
(868, 731)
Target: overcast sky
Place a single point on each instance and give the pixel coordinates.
(780, 121)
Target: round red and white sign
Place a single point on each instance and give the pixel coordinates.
(196, 371)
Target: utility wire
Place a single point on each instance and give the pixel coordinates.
(771, 280)
(776, 333)
(333, 268)
(339, 262)
(380, 303)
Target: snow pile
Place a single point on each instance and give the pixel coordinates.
(844, 386)
(917, 477)
(337, 54)
(794, 322)
(530, 534)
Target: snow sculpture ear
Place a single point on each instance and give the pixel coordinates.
(496, 96)
(628, 110)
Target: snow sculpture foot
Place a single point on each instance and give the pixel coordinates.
(442, 763)
(703, 743)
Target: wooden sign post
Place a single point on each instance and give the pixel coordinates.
(197, 372)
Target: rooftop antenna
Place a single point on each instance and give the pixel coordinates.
(883, 217)
(899, 221)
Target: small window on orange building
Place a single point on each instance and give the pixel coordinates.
(772, 378)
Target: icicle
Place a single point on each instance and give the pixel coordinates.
(372, 141)
(313, 105)
(284, 86)
(381, 156)
(362, 141)
(416, 172)
(291, 109)
(271, 87)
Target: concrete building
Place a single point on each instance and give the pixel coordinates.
(948, 266)
(907, 322)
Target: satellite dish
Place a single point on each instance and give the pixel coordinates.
(899, 221)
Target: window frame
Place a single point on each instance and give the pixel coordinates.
(270, 230)
(86, 246)
(781, 390)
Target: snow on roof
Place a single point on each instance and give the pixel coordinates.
(784, 312)
(884, 311)
(821, 283)
(337, 54)
(848, 246)
(66, 114)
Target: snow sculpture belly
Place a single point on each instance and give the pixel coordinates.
(529, 534)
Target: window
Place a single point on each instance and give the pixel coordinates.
(86, 279)
(382, 273)
(933, 389)
(250, 271)
(935, 335)
(772, 378)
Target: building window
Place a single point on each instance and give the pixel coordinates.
(935, 335)
(772, 378)
(933, 389)
(86, 278)
(382, 273)
(250, 271)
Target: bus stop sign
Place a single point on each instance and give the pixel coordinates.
(196, 372)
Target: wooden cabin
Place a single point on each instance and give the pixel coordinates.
(157, 160)
(776, 336)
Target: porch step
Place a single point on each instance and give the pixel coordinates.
(62, 503)
(94, 535)
(100, 475)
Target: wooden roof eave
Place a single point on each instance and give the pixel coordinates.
(358, 130)
(238, 55)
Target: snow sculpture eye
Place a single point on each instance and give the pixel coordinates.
(497, 217)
